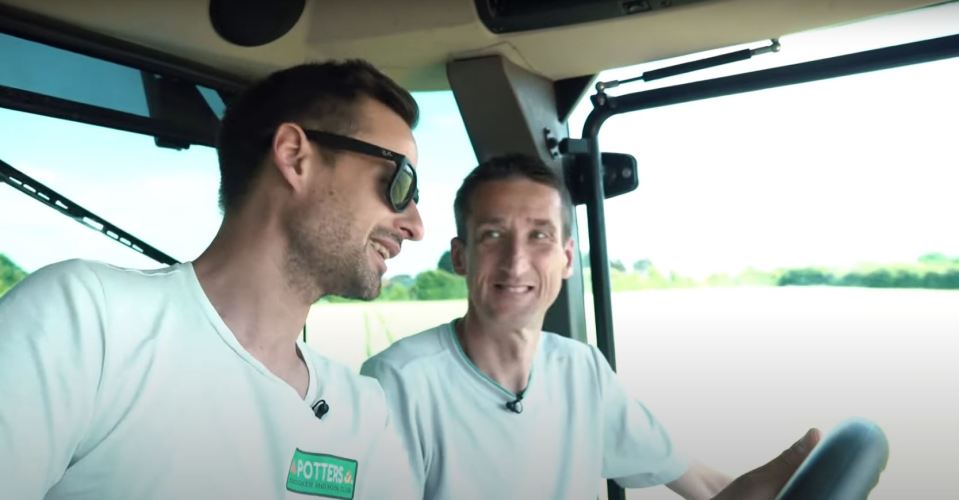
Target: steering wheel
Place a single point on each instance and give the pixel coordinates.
(844, 466)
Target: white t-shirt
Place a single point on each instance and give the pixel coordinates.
(120, 384)
(577, 424)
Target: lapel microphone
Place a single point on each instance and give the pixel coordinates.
(320, 408)
(516, 406)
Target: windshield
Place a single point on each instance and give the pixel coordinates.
(789, 259)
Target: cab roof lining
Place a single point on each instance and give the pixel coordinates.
(412, 40)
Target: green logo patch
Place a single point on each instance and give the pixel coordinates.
(322, 475)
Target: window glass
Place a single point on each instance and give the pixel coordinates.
(790, 260)
(49, 71)
(33, 235)
(67, 75)
(165, 197)
(213, 100)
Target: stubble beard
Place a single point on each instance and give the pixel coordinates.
(326, 260)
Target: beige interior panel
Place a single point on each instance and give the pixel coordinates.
(412, 40)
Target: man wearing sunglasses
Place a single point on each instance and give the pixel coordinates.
(189, 381)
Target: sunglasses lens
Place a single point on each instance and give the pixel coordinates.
(403, 188)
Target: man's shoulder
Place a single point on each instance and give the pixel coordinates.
(567, 354)
(555, 344)
(71, 271)
(78, 278)
(95, 272)
(411, 351)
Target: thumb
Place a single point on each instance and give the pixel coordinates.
(781, 468)
(765, 482)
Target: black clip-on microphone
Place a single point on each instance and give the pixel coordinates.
(516, 406)
(320, 408)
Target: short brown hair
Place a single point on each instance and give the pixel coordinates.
(506, 167)
(325, 94)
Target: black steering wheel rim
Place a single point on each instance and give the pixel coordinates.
(844, 466)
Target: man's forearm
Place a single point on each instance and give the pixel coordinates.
(699, 482)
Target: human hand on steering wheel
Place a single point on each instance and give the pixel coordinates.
(845, 466)
(765, 482)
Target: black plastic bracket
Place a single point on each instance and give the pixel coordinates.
(619, 171)
(180, 105)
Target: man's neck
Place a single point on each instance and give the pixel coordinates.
(244, 279)
(503, 352)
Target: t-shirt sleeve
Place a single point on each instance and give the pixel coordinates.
(390, 473)
(51, 351)
(637, 450)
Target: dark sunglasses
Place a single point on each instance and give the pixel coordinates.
(402, 189)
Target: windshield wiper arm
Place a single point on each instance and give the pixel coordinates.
(36, 190)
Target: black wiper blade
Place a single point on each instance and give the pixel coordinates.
(38, 191)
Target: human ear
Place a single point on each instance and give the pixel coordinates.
(568, 248)
(458, 255)
(289, 149)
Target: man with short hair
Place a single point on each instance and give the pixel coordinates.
(189, 381)
(491, 406)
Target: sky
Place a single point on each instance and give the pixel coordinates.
(833, 173)
(839, 172)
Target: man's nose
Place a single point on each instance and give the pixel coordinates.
(516, 258)
(410, 223)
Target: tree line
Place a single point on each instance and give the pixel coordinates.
(931, 271)
(934, 271)
(441, 283)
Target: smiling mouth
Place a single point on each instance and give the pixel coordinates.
(514, 288)
(380, 249)
(387, 246)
